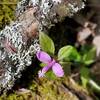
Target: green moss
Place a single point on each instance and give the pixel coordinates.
(43, 90)
(7, 8)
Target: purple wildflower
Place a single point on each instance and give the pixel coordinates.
(51, 64)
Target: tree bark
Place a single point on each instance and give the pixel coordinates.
(19, 40)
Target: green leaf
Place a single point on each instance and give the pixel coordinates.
(84, 76)
(46, 43)
(94, 85)
(85, 48)
(89, 57)
(68, 53)
(42, 64)
(50, 75)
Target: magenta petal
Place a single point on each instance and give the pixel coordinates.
(43, 71)
(43, 57)
(46, 68)
(57, 69)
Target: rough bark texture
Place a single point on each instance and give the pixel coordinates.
(19, 40)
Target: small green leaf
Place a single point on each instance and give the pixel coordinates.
(85, 48)
(84, 76)
(94, 85)
(46, 43)
(89, 57)
(68, 53)
(51, 75)
(42, 64)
